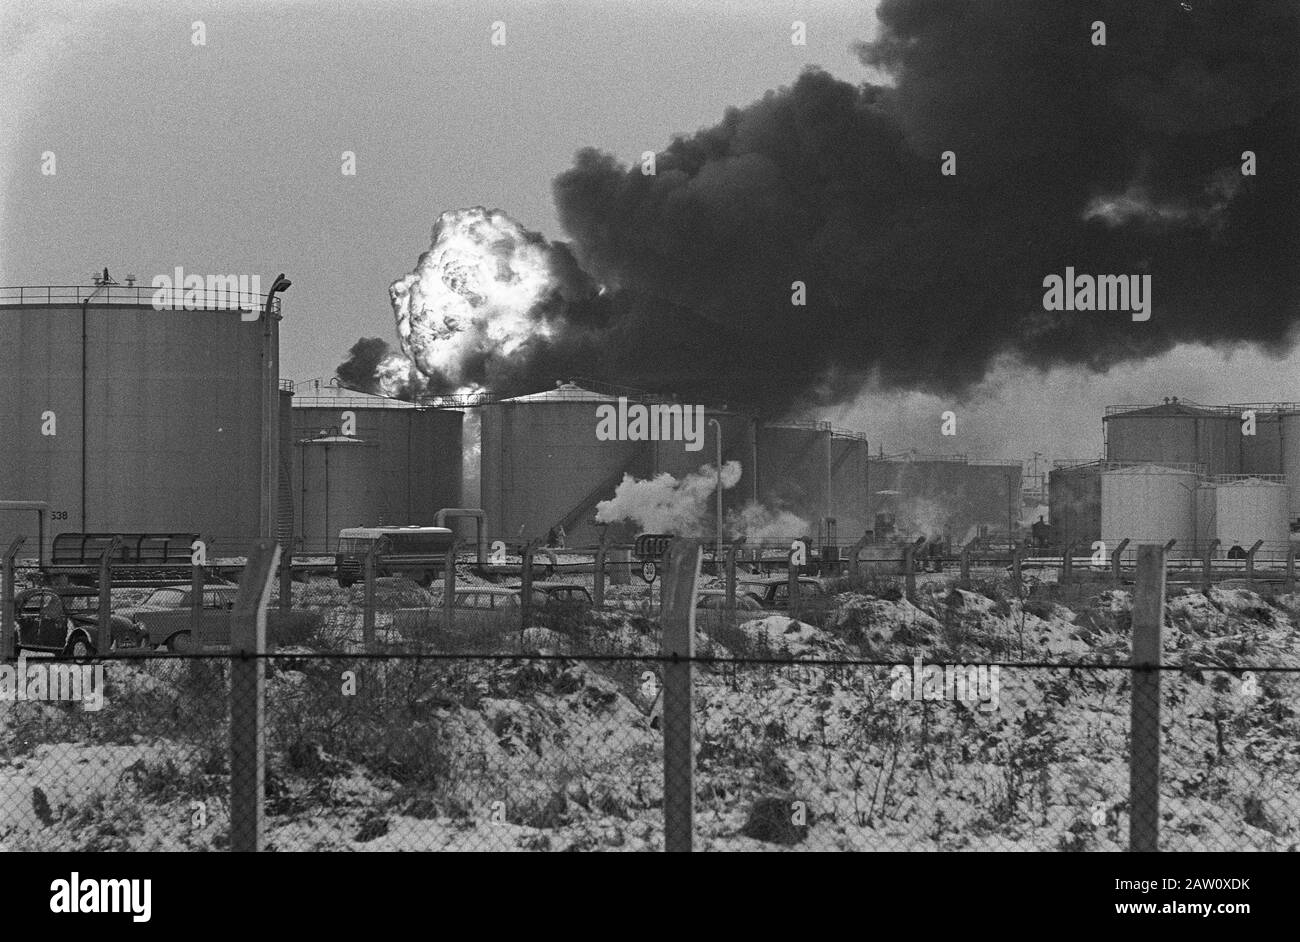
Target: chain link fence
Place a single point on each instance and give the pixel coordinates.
(962, 718)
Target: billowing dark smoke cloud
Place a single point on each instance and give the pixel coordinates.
(1115, 159)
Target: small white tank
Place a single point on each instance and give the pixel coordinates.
(1253, 509)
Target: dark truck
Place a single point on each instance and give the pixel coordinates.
(140, 559)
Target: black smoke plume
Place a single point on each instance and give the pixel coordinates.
(1117, 159)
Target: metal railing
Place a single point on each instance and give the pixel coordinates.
(139, 295)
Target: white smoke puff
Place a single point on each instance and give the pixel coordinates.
(759, 524)
(471, 293)
(664, 504)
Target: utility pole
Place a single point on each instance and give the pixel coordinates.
(717, 546)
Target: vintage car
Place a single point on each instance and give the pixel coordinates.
(165, 615)
(65, 622)
(773, 592)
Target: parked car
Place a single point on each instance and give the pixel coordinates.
(773, 592)
(165, 616)
(472, 607)
(716, 600)
(65, 622)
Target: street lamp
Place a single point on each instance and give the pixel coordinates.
(270, 409)
(717, 549)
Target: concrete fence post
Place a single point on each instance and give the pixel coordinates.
(1017, 582)
(368, 612)
(792, 585)
(286, 579)
(7, 587)
(598, 575)
(1116, 558)
(247, 697)
(104, 641)
(1144, 756)
(1207, 565)
(965, 561)
(1250, 560)
(1067, 564)
(197, 581)
(909, 571)
(449, 588)
(732, 552)
(677, 617)
(525, 586)
(1290, 569)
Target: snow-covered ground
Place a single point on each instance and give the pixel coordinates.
(533, 754)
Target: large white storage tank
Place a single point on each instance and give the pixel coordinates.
(1253, 509)
(1290, 432)
(1149, 503)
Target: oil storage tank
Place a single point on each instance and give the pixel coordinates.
(1074, 502)
(416, 468)
(339, 483)
(794, 471)
(849, 485)
(129, 417)
(1149, 503)
(1289, 432)
(1175, 433)
(946, 497)
(1253, 508)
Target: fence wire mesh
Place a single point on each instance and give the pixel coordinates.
(965, 718)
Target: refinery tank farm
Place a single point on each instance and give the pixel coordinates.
(120, 418)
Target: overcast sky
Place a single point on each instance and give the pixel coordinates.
(226, 158)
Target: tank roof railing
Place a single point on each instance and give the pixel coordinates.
(1217, 411)
(1060, 463)
(353, 402)
(1234, 478)
(1231, 409)
(1266, 406)
(813, 425)
(218, 299)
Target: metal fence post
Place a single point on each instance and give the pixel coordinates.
(1144, 757)
(1015, 569)
(1067, 564)
(104, 641)
(678, 593)
(1290, 569)
(7, 598)
(965, 561)
(247, 697)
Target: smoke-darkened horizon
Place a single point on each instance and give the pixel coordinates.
(1118, 159)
